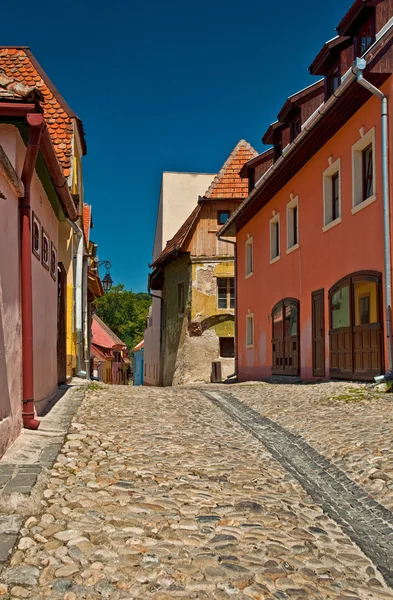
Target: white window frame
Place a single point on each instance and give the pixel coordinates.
(328, 175)
(291, 246)
(250, 318)
(357, 172)
(273, 221)
(250, 244)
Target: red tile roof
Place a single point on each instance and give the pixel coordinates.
(103, 336)
(228, 183)
(19, 63)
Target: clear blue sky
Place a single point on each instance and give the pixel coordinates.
(166, 85)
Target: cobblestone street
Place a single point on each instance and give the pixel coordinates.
(212, 493)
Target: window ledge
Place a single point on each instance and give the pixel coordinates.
(249, 275)
(363, 204)
(332, 224)
(250, 347)
(274, 260)
(292, 248)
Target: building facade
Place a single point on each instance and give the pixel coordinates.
(109, 354)
(313, 235)
(178, 195)
(195, 276)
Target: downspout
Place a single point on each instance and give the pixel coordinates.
(226, 241)
(78, 298)
(36, 122)
(357, 68)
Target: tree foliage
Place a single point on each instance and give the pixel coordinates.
(125, 313)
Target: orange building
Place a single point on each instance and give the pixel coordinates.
(313, 237)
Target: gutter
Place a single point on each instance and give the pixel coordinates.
(36, 125)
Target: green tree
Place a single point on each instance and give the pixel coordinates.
(125, 313)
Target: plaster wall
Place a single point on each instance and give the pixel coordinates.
(354, 244)
(66, 256)
(10, 315)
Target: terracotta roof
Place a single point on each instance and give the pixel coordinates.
(86, 221)
(13, 89)
(100, 353)
(19, 63)
(103, 335)
(228, 183)
(176, 243)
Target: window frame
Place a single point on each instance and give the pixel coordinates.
(228, 293)
(369, 24)
(45, 237)
(222, 212)
(276, 241)
(35, 222)
(358, 201)
(250, 343)
(328, 178)
(292, 243)
(53, 267)
(333, 71)
(249, 243)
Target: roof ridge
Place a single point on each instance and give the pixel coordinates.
(218, 178)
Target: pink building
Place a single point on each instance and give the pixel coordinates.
(34, 200)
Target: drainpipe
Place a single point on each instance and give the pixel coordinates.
(78, 297)
(226, 241)
(36, 122)
(357, 68)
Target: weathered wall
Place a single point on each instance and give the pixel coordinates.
(191, 342)
(10, 316)
(174, 331)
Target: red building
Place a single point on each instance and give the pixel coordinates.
(313, 262)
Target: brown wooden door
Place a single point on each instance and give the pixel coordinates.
(285, 339)
(61, 325)
(318, 333)
(356, 327)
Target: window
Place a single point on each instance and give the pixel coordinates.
(366, 36)
(333, 81)
(53, 262)
(340, 307)
(363, 171)
(367, 172)
(332, 195)
(296, 127)
(45, 249)
(180, 298)
(275, 238)
(365, 302)
(223, 216)
(251, 180)
(292, 224)
(226, 292)
(277, 149)
(249, 257)
(227, 347)
(36, 236)
(250, 331)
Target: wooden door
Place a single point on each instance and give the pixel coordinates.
(61, 325)
(285, 339)
(318, 333)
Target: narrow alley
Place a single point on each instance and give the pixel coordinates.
(196, 493)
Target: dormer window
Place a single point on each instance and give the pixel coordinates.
(333, 81)
(366, 36)
(296, 126)
(277, 147)
(251, 180)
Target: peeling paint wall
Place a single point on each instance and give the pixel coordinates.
(191, 341)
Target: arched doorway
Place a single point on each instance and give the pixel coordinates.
(286, 337)
(356, 327)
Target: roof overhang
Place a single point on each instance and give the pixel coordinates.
(255, 162)
(299, 98)
(358, 11)
(329, 54)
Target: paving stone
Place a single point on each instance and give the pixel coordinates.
(7, 542)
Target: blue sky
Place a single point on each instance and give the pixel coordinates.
(166, 86)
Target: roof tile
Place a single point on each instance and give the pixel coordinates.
(228, 183)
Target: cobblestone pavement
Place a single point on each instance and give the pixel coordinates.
(348, 423)
(161, 494)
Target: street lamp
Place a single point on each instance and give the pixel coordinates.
(107, 281)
